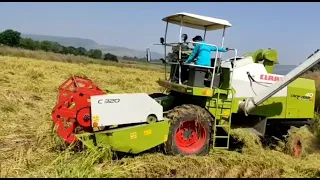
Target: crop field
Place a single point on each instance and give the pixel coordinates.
(29, 147)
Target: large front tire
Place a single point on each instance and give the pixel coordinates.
(190, 131)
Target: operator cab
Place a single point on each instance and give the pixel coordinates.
(191, 74)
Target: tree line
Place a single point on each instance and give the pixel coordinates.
(13, 38)
(133, 58)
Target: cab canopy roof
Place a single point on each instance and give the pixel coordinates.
(197, 21)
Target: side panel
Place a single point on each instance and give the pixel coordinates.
(261, 80)
(134, 139)
(298, 102)
(223, 109)
(301, 97)
(117, 109)
(195, 91)
(275, 107)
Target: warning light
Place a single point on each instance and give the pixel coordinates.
(95, 124)
(204, 92)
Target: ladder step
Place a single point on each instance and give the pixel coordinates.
(222, 137)
(224, 107)
(222, 115)
(224, 118)
(221, 105)
(224, 104)
(220, 118)
(225, 147)
(223, 125)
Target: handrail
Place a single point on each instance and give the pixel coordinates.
(232, 64)
(205, 67)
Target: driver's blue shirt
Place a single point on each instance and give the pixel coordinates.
(203, 53)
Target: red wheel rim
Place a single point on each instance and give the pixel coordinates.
(297, 149)
(190, 136)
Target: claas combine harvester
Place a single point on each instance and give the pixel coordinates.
(200, 106)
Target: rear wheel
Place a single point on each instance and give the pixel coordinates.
(190, 131)
(293, 145)
(300, 142)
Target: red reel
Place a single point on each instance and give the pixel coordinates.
(73, 85)
(73, 110)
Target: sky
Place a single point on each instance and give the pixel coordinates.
(290, 28)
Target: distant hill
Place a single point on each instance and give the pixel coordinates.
(90, 44)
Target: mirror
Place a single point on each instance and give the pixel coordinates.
(184, 37)
(161, 40)
(148, 54)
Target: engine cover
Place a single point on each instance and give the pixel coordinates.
(118, 109)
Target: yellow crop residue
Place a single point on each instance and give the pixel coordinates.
(30, 148)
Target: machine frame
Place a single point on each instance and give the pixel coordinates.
(194, 118)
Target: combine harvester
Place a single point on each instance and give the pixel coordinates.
(200, 106)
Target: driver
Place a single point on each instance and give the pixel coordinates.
(202, 52)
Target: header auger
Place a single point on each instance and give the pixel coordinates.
(200, 107)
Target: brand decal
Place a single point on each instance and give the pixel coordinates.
(306, 97)
(107, 101)
(270, 77)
